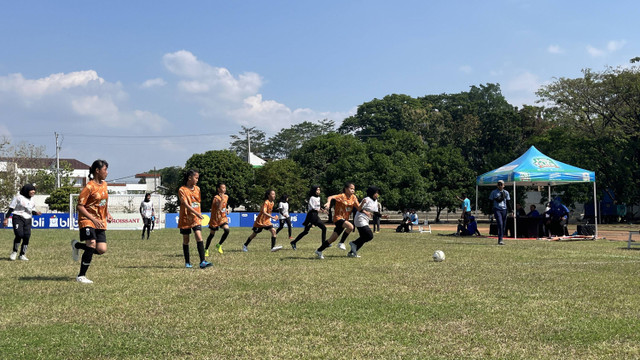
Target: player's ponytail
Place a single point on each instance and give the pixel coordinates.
(97, 165)
(189, 173)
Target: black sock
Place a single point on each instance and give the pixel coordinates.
(344, 237)
(224, 236)
(246, 243)
(16, 244)
(200, 250)
(324, 245)
(185, 251)
(81, 246)
(86, 260)
(209, 238)
(273, 242)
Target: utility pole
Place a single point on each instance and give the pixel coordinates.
(57, 161)
(155, 184)
(248, 147)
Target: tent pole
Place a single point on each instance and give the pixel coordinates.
(515, 223)
(476, 210)
(595, 208)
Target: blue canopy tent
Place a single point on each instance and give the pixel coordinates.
(534, 168)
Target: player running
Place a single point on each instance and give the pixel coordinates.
(218, 218)
(263, 222)
(344, 204)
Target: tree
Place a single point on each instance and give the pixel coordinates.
(286, 141)
(283, 176)
(330, 160)
(452, 177)
(222, 166)
(171, 180)
(58, 200)
(257, 139)
(602, 111)
(399, 112)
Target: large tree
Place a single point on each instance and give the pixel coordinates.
(282, 144)
(222, 166)
(283, 176)
(601, 110)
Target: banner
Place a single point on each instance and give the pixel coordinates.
(238, 220)
(46, 221)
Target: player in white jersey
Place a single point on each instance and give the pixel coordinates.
(368, 206)
(148, 214)
(23, 208)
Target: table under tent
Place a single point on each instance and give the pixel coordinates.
(534, 168)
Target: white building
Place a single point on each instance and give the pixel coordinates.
(79, 173)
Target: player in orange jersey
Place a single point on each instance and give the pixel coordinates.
(93, 216)
(190, 217)
(263, 222)
(218, 218)
(344, 205)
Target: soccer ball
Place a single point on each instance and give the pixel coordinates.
(438, 256)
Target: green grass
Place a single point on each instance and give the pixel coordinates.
(529, 299)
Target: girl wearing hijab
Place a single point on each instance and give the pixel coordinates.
(23, 208)
(312, 216)
(148, 213)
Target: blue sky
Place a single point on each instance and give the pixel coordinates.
(146, 84)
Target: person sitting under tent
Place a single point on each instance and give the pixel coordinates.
(559, 215)
(471, 228)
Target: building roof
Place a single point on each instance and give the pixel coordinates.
(43, 163)
(147, 175)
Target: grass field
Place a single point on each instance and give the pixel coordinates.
(529, 299)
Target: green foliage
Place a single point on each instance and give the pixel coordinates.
(283, 176)
(286, 141)
(600, 113)
(58, 200)
(222, 166)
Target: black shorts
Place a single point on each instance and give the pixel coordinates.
(21, 226)
(187, 231)
(89, 233)
(216, 228)
(258, 230)
(146, 221)
(339, 229)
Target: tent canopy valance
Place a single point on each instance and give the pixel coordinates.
(534, 168)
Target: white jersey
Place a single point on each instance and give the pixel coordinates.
(369, 205)
(146, 209)
(283, 208)
(314, 203)
(23, 206)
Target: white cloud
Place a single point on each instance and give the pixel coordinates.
(51, 84)
(521, 88)
(224, 96)
(611, 47)
(555, 49)
(615, 45)
(76, 99)
(465, 69)
(153, 83)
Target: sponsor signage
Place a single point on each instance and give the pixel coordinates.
(237, 220)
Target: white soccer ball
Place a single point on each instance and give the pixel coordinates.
(438, 256)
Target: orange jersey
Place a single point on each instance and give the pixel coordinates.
(344, 206)
(187, 219)
(219, 210)
(94, 197)
(263, 220)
